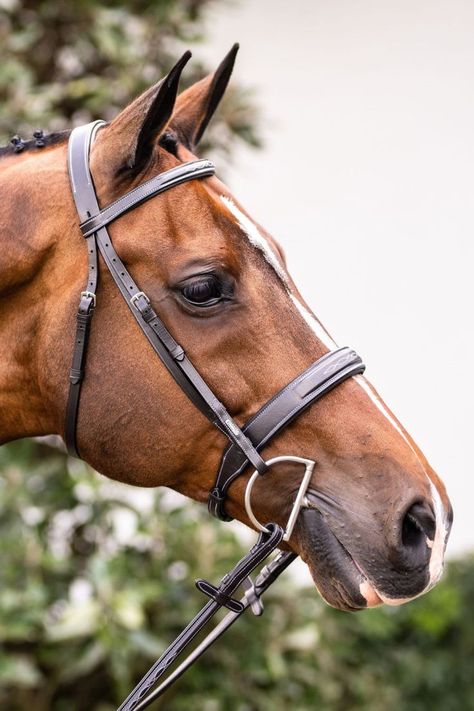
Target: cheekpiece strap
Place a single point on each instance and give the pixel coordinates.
(94, 223)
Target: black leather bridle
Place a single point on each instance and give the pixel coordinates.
(245, 443)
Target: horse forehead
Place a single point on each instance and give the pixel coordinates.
(192, 212)
(256, 238)
(205, 224)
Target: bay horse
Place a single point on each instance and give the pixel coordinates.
(378, 517)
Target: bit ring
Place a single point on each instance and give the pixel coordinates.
(299, 500)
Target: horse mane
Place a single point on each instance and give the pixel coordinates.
(49, 139)
(168, 141)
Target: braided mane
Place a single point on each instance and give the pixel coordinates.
(17, 145)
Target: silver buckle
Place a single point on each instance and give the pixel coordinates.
(88, 295)
(256, 604)
(299, 500)
(139, 295)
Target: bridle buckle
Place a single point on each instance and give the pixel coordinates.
(89, 295)
(300, 496)
(254, 599)
(139, 295)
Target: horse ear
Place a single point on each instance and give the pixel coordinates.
(196, 106)
(142, 122)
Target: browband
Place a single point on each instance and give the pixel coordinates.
(156, 185)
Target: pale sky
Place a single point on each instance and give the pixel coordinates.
(367, 181)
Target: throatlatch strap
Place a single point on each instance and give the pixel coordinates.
(76, 374)
(169, 351)
(88, 296)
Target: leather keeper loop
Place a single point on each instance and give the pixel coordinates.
(177, 353)
(215, 504)
(75, 375)
(83, 319)
(218, 596)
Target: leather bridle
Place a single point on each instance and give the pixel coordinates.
(245, 443)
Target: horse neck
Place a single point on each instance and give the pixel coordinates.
(35, 188)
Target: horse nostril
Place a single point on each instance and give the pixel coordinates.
(418, 524)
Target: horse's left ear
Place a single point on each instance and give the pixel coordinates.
(195, 107)
(137, 128)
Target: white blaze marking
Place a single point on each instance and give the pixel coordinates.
(255, 237)
(439, 542)
(380, 406)
(253, 234)
(321, 333)
(323, 336)
(317, 328)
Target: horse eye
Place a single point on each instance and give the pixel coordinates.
(203, 291)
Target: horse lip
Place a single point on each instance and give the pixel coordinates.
(325, 504)
(366, 588)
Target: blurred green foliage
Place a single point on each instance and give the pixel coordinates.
(64, 63)
(96, 579)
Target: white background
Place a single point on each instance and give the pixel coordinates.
(367, 181)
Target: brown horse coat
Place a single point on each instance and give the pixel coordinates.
(381, 517)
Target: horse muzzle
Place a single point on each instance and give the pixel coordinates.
(356, 568)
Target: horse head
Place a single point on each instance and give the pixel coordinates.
(377, 517)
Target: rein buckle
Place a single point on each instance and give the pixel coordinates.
(254, 600)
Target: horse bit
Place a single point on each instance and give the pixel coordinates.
(244, 443)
